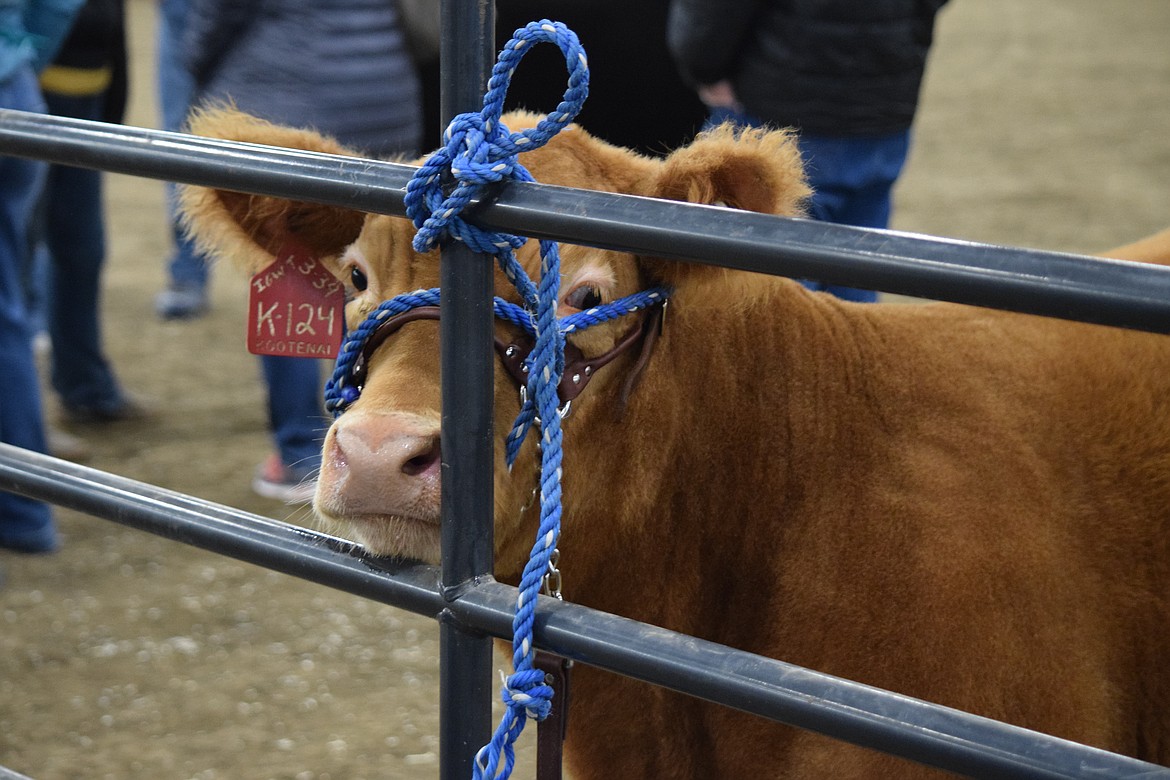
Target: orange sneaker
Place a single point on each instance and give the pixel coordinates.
(284, 483)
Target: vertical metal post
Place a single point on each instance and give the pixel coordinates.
(467, 48)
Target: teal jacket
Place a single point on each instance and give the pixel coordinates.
(31, 31)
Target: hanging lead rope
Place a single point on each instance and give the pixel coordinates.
(480, 150)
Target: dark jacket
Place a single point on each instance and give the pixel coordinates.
(97, 42)
(339, 66)
(827, 67)
(636, 96)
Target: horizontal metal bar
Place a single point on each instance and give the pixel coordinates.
(366, 185)
(270, 543)
(939, 736)
(1108, 292)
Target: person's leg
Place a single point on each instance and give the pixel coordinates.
(298, 426)
(853, 178)
(828, 199)
(25, 525)
(187, 270)
(35, 275)
(176, 87)
(75, 236)
(852, 181)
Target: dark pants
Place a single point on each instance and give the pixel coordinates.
(72, 245)
(852, 180)
(24, 523)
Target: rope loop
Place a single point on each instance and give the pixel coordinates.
(480, 150)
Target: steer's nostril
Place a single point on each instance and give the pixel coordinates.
(423, 461)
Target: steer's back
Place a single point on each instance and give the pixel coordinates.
(1026, 464)
(961, 505)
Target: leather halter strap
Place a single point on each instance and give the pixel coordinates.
(579, 369)
(550, 732)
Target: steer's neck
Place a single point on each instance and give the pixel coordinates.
(735, 415)
(680, 512)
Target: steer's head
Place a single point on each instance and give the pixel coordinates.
(380, 473)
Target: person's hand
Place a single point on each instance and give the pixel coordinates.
(719, 95)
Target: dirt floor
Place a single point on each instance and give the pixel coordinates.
(1043, 124)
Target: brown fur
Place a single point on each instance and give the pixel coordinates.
(962, 505)
(1152, 249)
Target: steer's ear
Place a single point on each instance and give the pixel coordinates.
(248, 230)
(751, 169)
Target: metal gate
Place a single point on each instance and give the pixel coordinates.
(470, 606)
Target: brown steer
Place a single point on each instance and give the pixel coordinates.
(962, 505)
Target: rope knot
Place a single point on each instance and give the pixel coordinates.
(528, 691)
(480, 150)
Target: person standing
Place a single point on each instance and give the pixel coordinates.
(185, 295)
(30, 33)
(86, 80)
(845, 75)
(343, 68)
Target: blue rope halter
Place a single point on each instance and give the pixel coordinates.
(480, 150)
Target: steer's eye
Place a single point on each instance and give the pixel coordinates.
(359, 280)
(584, 297)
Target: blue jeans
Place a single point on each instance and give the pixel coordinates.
(23, 522)
(176, 89)
(852, 179)
(71, 228)
(295, 412)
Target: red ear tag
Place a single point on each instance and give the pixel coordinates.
(295, 307)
